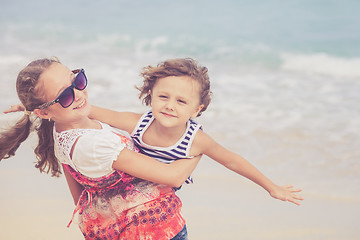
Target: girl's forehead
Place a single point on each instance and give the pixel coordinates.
(54, 78)
(57, 73)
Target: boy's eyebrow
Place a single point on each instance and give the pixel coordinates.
(161, 91)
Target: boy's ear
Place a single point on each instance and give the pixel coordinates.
(194, 115)
(42, 113)
(150, 96)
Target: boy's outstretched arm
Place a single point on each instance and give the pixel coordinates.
(238, 164)
(122, 120)
(15, 108)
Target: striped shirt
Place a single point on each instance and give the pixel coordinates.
(179, 150)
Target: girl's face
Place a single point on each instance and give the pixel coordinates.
(175, 99)
(53, 81)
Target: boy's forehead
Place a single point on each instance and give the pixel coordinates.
(180, 84)
(177, 81)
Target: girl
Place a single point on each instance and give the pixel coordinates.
(177, 91)
(109, 180)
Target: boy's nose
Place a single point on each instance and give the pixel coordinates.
(170, 105)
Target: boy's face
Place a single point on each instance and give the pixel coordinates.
(175, 99)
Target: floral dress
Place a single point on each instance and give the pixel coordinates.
(118, 205)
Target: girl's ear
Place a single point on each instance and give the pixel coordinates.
(42, 113)
(194, 115)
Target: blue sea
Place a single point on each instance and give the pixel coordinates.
(285, 74)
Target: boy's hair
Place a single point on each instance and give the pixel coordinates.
(176, 67)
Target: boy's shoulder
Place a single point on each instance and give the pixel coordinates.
(200, 143)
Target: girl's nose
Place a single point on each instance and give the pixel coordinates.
(78, 94)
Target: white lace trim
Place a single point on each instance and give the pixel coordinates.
(64, 141)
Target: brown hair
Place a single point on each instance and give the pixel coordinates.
(176, 67)
(30, 97)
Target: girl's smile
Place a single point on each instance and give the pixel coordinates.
(82, 104)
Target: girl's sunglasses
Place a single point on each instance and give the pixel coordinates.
(66, 98)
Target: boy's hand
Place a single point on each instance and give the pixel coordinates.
(15, 108)
(287, 193)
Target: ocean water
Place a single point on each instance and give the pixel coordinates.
(285, 74)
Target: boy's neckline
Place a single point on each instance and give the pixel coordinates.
(176, 140)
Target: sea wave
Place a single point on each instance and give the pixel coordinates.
(321, 63)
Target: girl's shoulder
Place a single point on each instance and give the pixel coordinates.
(94, 152)
(64, 141)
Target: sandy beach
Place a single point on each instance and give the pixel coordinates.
(220, 205)
(285, 82)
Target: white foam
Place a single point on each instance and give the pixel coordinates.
(321, 63)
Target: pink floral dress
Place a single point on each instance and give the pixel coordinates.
(120, 206)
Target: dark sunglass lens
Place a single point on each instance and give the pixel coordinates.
(80, 81)
(67, 97)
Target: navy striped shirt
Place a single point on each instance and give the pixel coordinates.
(179, 150)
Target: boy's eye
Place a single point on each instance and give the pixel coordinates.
(181, 101)
(163, 96)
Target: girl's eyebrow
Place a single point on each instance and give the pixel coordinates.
(72, 77)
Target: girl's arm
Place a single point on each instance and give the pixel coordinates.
(122, 120)
(241, 166)
(75, 187)
(144, 167)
